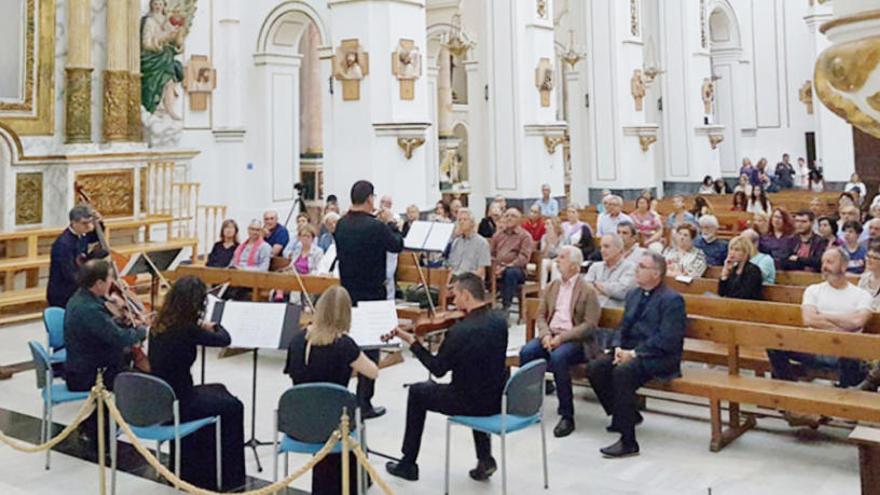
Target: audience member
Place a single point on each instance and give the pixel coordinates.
(651, 342)
(254, 254)
(707, 186)
(502, 202)
(489, 224)
(815, 181)
(872, 227)
(801, 173)
(650, 227)
(631, 249)
(828, 232)
(708, 242)
(785, 173)
(818, 210)
(224, 249)
(567, 316)
(552, 242)
(744, 185)
(329, 223)
(870, 279)
(845, 199)
(779, 241)
(855, 182)
(701, 207)
(761, 223)
(763, 261)
(511, 248)
(758, 202)
(614, 276)
(740, 202)
(740, 278)
(684, 258)
(275, 234)
(720, 187)
(607, 222)
(749, 171)
(441, 213)
(807, 251)
(572, 225)
(600, 207)
(534, 223)
(304, 256)
(469, 251)
(454, 206)
(412, 215)
(679, 215)
(855, 251)
(549, 207)
(835, 305)
(850, 214)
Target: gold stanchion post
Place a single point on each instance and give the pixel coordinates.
(102, 482)
(345, 450)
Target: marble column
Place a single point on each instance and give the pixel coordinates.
(135, 127)
(381, 137)
(116, 76)
(78, 73)
(227, 98)
(526, 137)
(310, 98)
(444, 93)
(476, 136)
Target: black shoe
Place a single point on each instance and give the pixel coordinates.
(402, 469)
(549, 387)
(611, 429)
(620, 449)
(484, 470)
(563, 428)
(373, 412)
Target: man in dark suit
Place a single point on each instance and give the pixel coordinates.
(651, 340)
(361, 243)
(69, 251)
(475, 350)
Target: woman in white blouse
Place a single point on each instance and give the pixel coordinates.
(685, 259)
(870, 279)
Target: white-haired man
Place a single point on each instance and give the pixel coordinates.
(549, 206)
(714, 248)
(469, 251)
(608, 221)
(329, 227)
(568, 313)
(614, 276)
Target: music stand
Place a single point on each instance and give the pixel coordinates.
(153, 263)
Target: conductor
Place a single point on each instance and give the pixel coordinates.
(361, 243)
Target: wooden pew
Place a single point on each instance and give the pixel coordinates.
(868, 440)
(777, 293)
(258, 281)
(787, 277)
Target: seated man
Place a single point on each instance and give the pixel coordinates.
(275, 234)
(613, 277)
(632, 252)
(714, 248)
(762, 260)
(835, 305)
(608, 221)
(567, 315)
(651, 342)
(807, 255)
(511, 247)
(469, 251)
(475, 350)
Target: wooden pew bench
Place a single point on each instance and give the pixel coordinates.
(791, 294)
(22, 305)
(868, 440)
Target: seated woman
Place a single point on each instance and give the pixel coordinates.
(701, 207)
(857, 252)
(740, 202)
(740, 278)
(489, 224)
(684, 258)
(305, 255)
(573, 224)
(779, 242)
(173, 341)
(650, 227)
(224, 249)
(828, 231)
(679, 215)
(254, 254)
(442, 213)
(552, 241)
(758, 202)
(325, 353)
(870, 279)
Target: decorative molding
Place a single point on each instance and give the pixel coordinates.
(135, 124)
(805, 95)
(645, 142)
(647, 134)
(704, 40)
(845, 77)
(111, 191)
(229, 135)
(409, 145)
(78, 105)
(634, 17)
(115, 105)
(29, 198)
(403, 129)
(715, 140)
(351, 64)
(551, 142)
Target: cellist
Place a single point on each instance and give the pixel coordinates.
(69, 251)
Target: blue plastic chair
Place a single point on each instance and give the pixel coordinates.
(53, 320)
(307, 415)
(52, 393)
(522, 405)
(148, 405)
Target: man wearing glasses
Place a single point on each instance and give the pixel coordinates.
(69, 251)
(651, 340)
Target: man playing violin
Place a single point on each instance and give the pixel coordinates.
(69, 251)
(475, 350)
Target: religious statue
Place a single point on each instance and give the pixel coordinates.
(199, 81)
(406, 65)
(450, 167)
(544, 80)
(541, 7)
(351, 65)
(805, 95)
(163, 31)
(708, 94)
(637, 87)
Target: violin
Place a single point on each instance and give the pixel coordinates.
(426, 324)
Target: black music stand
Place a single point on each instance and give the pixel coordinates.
(153, 263)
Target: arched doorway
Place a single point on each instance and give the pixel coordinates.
(726, 51)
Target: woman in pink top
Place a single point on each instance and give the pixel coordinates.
(305, 255)
(572, 225)
(649, 226)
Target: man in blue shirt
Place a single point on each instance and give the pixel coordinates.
(549, 206)
(274, 233)
(714, 248)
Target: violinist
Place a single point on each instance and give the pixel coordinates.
(474, 350)
(69, 251)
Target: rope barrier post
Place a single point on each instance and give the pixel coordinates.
(99, 386)
(345, 450)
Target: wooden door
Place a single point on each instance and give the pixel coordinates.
(867, 155)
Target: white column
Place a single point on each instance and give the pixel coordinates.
(370, 129)
(518, 124)
(578, 133)
(834, 135)
(227, 97)
(477, 156)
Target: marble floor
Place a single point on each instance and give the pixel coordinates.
(675, 460)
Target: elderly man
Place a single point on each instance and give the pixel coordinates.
(274, 233)
(630, 236)
(651, 342)
(872, 227)
(608, 221)
(714, 248)
(255, 253)
(548, 206)
(511, 247)
(329, 223)
(835, 305)
(614, 276)
(567, 315)
(807, 254)
(469, 251)
(850, 214)
(763, 260)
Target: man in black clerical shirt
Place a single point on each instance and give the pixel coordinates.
(474, 350)
(361, 243)
(69, 251)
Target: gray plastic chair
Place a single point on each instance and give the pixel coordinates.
(148, 405)
(307, 415)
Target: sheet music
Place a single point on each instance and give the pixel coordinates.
(370, 320)
(254, 325)
(439, 236)
(210, 302)
(418, 233)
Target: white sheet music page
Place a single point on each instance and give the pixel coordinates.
(370, 320)
(254, 325)
(418, 232)
(439, 236)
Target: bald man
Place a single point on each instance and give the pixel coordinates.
(511, 248)
(274, 233)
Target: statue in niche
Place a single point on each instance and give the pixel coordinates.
(708, 94)
(542, 9)
(450, 167)
(406, 65)
(163, 31)
(637, 87)
(544, 80)
(805, 95)
(351, 65)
